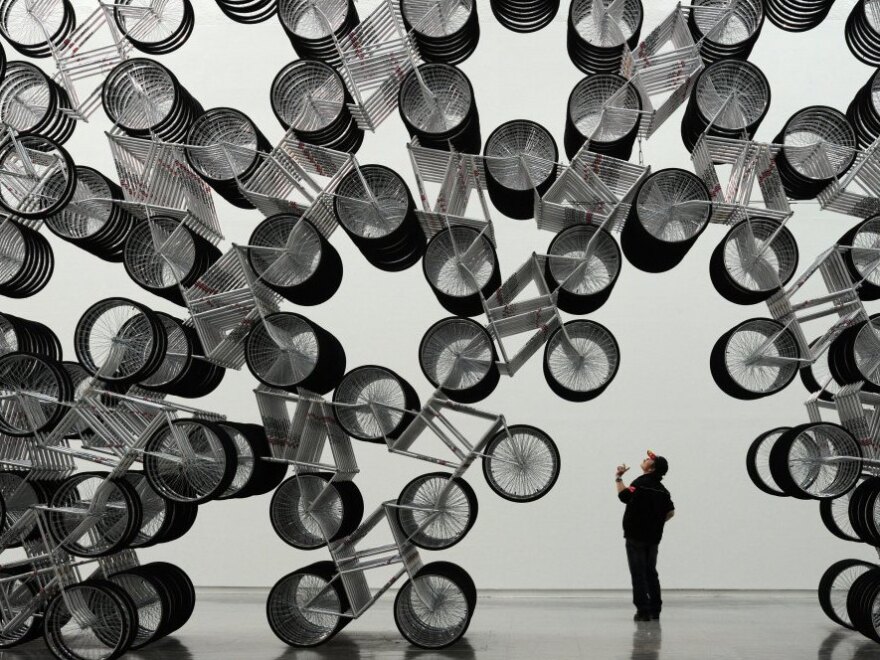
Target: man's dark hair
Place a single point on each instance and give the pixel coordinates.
(661, 466)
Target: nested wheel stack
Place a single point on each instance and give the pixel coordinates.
(755, 358)
(294, 259)
(797, 15)
(819, 460)
(144, 98)
(39, 176)
(18, 335)
(35, 29)
(248, 12)
(581, 358)
(114, 510)
(458, 355)
(309, 606)
(434, 608)
(92, 620)
(36, 394)
(726, 29)
(314, 27)
(288, 351)
(163, 256)
(863, 112)
(834, 587)
(854, 355)
(223, 146)
(862, 259)
(309, 510)
(462, 269)
(818, 145)
(437, 105)
(374, 404)
(26, 260)
(862, 32)
(603, 113)
(730, 100)
(583, 264)
(436, 510)
(835, 516)
(863, 511)
(520, 160)
(862, 601)
(94, 219)
(155, 27)
(758, 461)
(524, 15)
(190, 460)
(670, 210)
(600, 32)
(120, 341)
(756, 259)
(375, 207)
(31, 102)
(253, 474)
(310, 98)
(444, 31)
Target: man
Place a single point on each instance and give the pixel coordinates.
(648, 507)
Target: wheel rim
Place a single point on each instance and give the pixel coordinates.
(289, 616)
(300, 518)
(756, 372)
(282, 350)
(582, 356)
(87, 623)
(195, 467)
(434, 512)
(457, 354)
(433, 614)
(808, 460)
(373, 402)
(523, 465)
(459, 261)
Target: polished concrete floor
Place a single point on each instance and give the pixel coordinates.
(230, 625)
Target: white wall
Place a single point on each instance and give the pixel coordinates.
(726, 534)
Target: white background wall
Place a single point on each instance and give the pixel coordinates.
(726, 534)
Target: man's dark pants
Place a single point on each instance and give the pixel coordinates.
(642, 557)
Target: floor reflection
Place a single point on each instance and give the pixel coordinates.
(848, 645)
(164, 649)
(646, 640)
(341, 646)
(460, 651)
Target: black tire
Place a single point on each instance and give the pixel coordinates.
(530, 482)
(460, 514)
(837, 477)
(458, 605)
(840, 576)
(757, 455)
(835, 516)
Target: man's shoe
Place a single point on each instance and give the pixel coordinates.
(641, 616)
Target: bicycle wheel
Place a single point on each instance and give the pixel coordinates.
(436, 511)
(288, 351)
(308, 511)
(816, 461)
(20, 598)
(835, 516)
(672, 208)
(112, 505)
(755, 259)
(35, 393)
(294, 259)
(151, 602)
(758, 461)
(458, 356)
(155, 27)
(582, 267)
(581, 359)
(156, 511)
(93, 620)
(120, 340)
(435, 612)
(373, 403)
(757, 358)
(862, 258)
(190, 460)
(861, 602)
(834, 588)
(521, 463)
(19, 495)
(39, 175)
(461, 268)
(302, 605)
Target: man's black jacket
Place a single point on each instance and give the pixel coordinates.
(647, 504)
